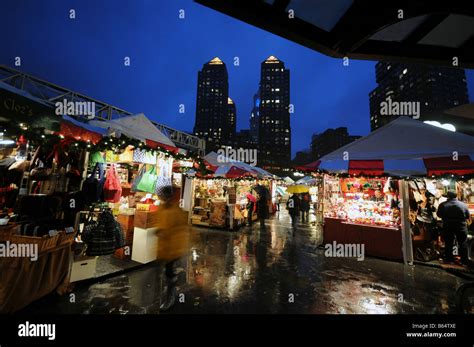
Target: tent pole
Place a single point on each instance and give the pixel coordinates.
(406, 232)
(191, 203)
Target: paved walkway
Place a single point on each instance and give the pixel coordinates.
(268, 271)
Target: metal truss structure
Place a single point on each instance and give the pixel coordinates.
(49, 93)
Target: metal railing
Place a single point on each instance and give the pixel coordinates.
(50, 93)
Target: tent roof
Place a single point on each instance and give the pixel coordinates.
(136, 126)
(405, 138)
(215, 159)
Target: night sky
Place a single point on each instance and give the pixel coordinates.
(86, 54)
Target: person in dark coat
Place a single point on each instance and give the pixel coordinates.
(250, 206)
(262, 204)
(455, 215)
(294, 206)
(305, 204)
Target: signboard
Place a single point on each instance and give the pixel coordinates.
(21, 109)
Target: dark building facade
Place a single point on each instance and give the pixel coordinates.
(330, 140)
(232, 120)
(303, 157)
(255, 119)
(242, 139)
(274, 133)
(417, 90)
(215, 114)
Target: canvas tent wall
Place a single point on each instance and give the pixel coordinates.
(404, 147)
(137, 126)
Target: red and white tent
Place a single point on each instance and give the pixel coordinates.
(404, 147)
(228, 168)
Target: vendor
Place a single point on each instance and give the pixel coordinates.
(378, 196)
(455, 216)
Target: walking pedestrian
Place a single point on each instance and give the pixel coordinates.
(262, 204)
(305, 205)
(455, 215)
(294, 205)
(278, 202)
(173, 240)
(250, 207)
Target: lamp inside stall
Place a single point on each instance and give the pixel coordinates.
(4, 141)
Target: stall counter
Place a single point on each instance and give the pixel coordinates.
(378, 241)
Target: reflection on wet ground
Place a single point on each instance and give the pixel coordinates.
(274, 270)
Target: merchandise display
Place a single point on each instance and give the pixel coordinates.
(217, 201)
(362, 201)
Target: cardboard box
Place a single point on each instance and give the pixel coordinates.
(83, 269)
(146, 219)
(145, 245)
(126, 222)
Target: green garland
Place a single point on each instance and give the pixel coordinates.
(49, 141)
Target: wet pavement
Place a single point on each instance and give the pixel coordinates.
(266, 271)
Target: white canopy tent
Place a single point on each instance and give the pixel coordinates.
(136, 126)
(404, 147)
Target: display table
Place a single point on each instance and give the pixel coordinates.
(23, 281)
(378, 241)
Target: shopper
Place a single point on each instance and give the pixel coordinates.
(250, 206)
(455, 215)
(173, 240)
(278, 202)
(262, 204)
(305, 203)
(294, 206)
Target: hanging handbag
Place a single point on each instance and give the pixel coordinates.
(40, 174)
(148, 181)
(126, 156)
(95, 158)
(104, 236)
(92, 187)
(145, 157)
(137, 179)
(112, 185)
(111, 156)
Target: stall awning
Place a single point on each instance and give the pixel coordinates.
(138, 127)
(404, 147)
(225, 167)
(71, 128)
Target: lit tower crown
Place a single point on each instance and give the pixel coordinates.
(216, 61)
(272, 60)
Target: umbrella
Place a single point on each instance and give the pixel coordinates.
(251, 197)
(298, 189)
(280, 190)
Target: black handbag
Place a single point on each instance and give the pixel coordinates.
(92, 187)
(103, 236)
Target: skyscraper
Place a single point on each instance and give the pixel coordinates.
(255, 119)
(215, 113)
(330, 140)
(232, 120)
(274, 133)
(435, 88)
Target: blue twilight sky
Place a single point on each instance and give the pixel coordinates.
(86, 54)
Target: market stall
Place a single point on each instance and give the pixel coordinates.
(61, 188)
(315, 194)
(369, 189)
(226, 197)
